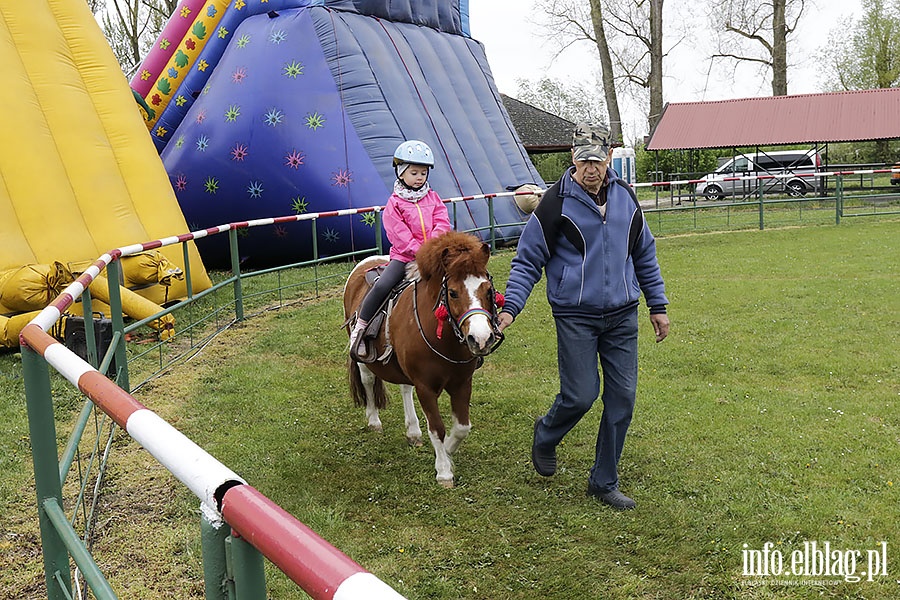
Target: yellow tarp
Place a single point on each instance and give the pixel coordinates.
(135, 306)
(79, 174)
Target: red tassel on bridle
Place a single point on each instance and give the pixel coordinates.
(499, 299)
(441, 314)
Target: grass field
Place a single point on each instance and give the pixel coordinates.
(768, 416)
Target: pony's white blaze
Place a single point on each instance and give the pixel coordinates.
(479, 324)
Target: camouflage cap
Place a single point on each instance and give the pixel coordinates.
(590, 141)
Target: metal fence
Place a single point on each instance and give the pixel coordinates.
(239, 525)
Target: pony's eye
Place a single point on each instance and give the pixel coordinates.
(453, 294)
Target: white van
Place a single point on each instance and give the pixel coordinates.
(790, 170)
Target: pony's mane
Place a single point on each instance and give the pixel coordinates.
(452, 253)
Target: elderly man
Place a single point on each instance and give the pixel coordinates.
(589, 235)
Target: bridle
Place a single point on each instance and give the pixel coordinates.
(442, 313)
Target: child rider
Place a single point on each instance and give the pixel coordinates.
(414, 213)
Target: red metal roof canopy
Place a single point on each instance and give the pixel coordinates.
(775, 120)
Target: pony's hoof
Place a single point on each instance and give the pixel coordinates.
(377, 428)
(446, 483)
(415, 442)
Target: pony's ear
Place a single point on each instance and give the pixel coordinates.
(486, 249)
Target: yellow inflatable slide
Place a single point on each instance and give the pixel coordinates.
(79, 174)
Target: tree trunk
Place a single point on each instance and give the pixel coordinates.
(779, 49)
(656, 63)
(609, 86)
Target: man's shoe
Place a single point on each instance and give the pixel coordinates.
(544, 462)
(614, 498)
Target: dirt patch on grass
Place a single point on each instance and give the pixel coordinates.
(147, 534)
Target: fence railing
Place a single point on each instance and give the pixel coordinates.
(688, 192)
(239, 525)
(256, 527)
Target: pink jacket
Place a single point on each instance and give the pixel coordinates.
(408, 224)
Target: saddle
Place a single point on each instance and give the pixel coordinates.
(365, 350)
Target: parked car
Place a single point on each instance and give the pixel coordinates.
(792, 171)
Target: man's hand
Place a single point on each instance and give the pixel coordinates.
(505, 319)
(660, 326)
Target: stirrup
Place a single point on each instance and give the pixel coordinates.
(362, 350)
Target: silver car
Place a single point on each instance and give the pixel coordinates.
(791, 172)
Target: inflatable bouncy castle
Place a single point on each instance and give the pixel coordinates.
(264, 108)
(79, 175)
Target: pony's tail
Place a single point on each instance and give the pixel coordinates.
(358, 390)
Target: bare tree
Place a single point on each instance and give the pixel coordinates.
(606, 69)
(628, 36)
(579, 21)
(757, 32)
(656, 63)
(638, 29)
(132, 26)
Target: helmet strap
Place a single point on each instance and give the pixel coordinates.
(400, 169)
(409, 187)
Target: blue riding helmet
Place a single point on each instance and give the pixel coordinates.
(414, 152)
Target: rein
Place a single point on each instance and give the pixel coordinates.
(442, 313)
(456, 323)
(425, 337)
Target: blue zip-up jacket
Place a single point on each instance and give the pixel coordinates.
(596, 275)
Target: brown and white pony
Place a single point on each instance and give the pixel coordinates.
(439, 328)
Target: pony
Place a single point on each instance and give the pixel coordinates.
(436, 333)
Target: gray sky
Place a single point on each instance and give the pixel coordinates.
(517, 47)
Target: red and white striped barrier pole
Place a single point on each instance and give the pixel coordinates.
(188, 462)
(317, 566)
(280, 536)
(322, 570)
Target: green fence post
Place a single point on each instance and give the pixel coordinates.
(90, 334)
(42, 429)
(247, 569)
(379, 236)
(838, 199)
(215, 570)
(315, 238)
(118, 323)
(189, 285)
(236, 272)
(762, 222)
(493, 227)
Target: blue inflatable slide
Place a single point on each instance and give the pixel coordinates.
(298, 109)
